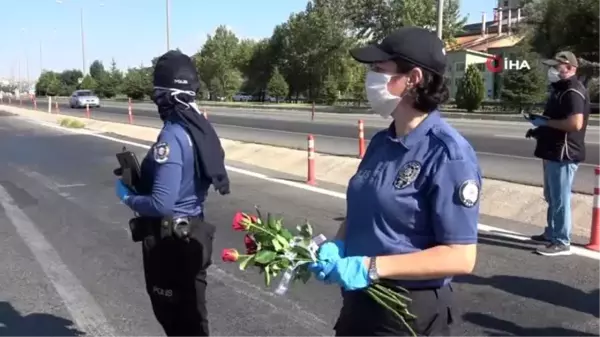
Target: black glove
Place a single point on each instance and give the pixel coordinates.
(532, 133)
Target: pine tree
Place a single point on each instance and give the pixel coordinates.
(524, 86)
(471, 90)
(277, 86)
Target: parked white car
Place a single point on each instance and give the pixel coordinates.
(242, 97)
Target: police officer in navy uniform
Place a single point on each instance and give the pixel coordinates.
(413, 204)
(175, 177)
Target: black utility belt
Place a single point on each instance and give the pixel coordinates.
(162, 228)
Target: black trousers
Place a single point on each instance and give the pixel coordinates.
(362, 316)
(175, 273)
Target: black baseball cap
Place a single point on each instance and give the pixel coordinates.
(565, 57)
(416, 45)
(176, 70)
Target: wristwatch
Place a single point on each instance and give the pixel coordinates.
(372, 273)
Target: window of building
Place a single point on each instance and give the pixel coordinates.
(459, 66)
(505, 3)
(480, 66)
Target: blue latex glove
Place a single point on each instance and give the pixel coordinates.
(350, 272)
(538, 121)
(328, 253)
(122, 190)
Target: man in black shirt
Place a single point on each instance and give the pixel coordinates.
(560, 135)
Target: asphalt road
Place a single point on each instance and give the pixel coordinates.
(67, 262)
(503, 151)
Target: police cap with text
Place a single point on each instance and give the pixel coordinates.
(176, 70)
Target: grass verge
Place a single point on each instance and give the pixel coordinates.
(71, 123)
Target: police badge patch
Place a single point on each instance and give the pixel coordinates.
(407, 175)
(468, 193)
(161, 152)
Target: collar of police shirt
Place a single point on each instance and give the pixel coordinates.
(416, 134)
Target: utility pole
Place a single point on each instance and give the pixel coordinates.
(41, 59)
(440, 17)
(168, 26)
(82, 43)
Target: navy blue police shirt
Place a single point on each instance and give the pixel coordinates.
(170, 166)
(412, 193)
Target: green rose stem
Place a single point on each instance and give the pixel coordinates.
(393, 293)
(397, 299)
(250, 224)
(375, 297)
(387, 296)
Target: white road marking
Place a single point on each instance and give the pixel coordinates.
(84, 310)
(258, 294)
(495, 230)
(47, 182)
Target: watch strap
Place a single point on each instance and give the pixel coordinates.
(373, 274)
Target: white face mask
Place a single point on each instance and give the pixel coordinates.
(380, 99)
(553, 75)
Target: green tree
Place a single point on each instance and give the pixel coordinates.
(88, 83)
(54, 86)
(70, 81)
(357, 87)
(134, 84)
(309, 46)
(524, 86)
(97, 70)
(375, 19)
(277, 86)
(218, 64)
(259, 68)
(330, 92)
(555, 25)
(471, 90)
(43, 82)
(111, 84)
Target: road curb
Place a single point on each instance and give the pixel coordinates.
(448, 113)
(502, 199)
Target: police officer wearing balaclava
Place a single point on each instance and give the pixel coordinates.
(175, 177)
(413, 204)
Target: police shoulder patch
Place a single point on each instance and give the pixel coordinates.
(468, 193)
(161, 152)
(407, 174)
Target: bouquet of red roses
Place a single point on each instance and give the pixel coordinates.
(274, 249)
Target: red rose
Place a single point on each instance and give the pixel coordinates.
(253, 219)
(238, 222)
(250, 244)
(230, 255)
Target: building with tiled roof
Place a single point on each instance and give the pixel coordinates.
(481, 41)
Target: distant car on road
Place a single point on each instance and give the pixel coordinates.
(81, 98)
(241, 97)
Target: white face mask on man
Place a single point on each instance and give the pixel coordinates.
(378, 95)
(553, 75)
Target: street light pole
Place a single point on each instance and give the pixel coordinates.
(440, 17)
(27, 65)
(41, 58)
(82, 42)
(168, 26)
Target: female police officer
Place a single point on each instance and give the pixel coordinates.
(412, 206)
(175, 176)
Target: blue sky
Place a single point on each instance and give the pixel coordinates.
(133, 31)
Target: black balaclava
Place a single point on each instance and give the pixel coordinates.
(176, 83)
